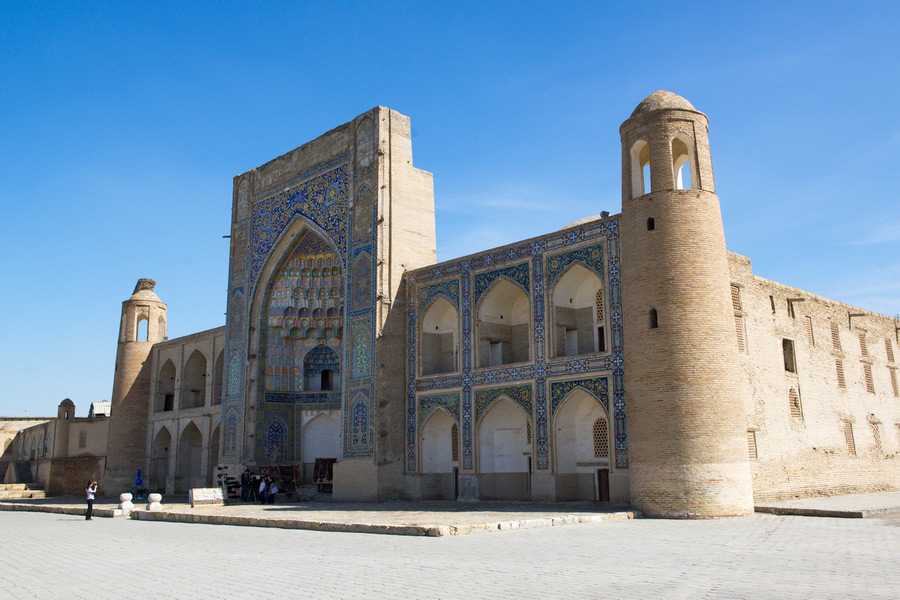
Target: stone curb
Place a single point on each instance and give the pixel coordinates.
(824, 512)
(287, 523)
(64, 510)
(410, 530)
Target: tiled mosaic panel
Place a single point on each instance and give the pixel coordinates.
(304, 315)
(322, 200)
(519, 394)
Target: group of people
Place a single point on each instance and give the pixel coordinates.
(258, 488)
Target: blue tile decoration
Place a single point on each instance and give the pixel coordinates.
(428, 404)
(361, 288)
(447, 289)
(590, 257)
(360, 342)
(518, 273)
(235, 369)
(594, 245)
(321, 199)
(231, 430)
(598, 387)
(275, 443)
(360, 427)
(519, 394)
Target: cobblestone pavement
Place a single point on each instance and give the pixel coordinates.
(768, 556)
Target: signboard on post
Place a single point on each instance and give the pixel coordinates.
(206, 497)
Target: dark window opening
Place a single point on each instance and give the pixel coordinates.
(327, 380)
(169, 402)
(654, 319)
(790, 362)
(651, 224)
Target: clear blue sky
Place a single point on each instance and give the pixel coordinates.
(123, 124)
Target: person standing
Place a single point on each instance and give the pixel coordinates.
(246, 492)
(90, 490)
(262, 490)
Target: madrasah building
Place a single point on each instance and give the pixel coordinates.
(626, 357)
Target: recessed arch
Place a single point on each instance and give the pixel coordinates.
(188, 468)
(578, 320)
(159, 460)
(218, 378)
(320, 439)
(439, 340)
(165, 388)
(304, 251)
(193, 381)
(503, 327)
(437, 442)
(576, 443)
(503, 439)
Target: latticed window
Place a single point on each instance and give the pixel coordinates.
(863, 347)
(876, 435)
(794, 401)
(751, 444)
(835, 337)
(889, 350)
(599, 300)
(736, 297)
(527, 432)
(809, 332)
(82, 439)
(739, 329)
(601, 439)
(848, 435)
(454, 443)
(839, 367)
(870, 385)
(894, 387)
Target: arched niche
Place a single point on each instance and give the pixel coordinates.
(438, 442)
(503, 445)
(159, 460)
(188, 468)
(218, 377)
(321, 369)
(193, 381)
(578, 313)
(165, 388)
(293, 308)
(503, 325)
(214, 441)
(439, 338)
(581, 440)
(320, 439)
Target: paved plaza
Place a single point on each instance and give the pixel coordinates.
(769, 556)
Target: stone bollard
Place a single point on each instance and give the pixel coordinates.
(153, 502)
(125, 504)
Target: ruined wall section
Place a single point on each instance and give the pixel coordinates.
(833, 424)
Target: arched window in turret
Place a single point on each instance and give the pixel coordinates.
(682, 159)
(143, 328)
(640, 169)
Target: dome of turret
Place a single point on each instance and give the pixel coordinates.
(67, 402)
(662, 100)
(144, 290)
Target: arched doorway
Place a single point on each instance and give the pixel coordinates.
(582, 448)
(504, 453)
